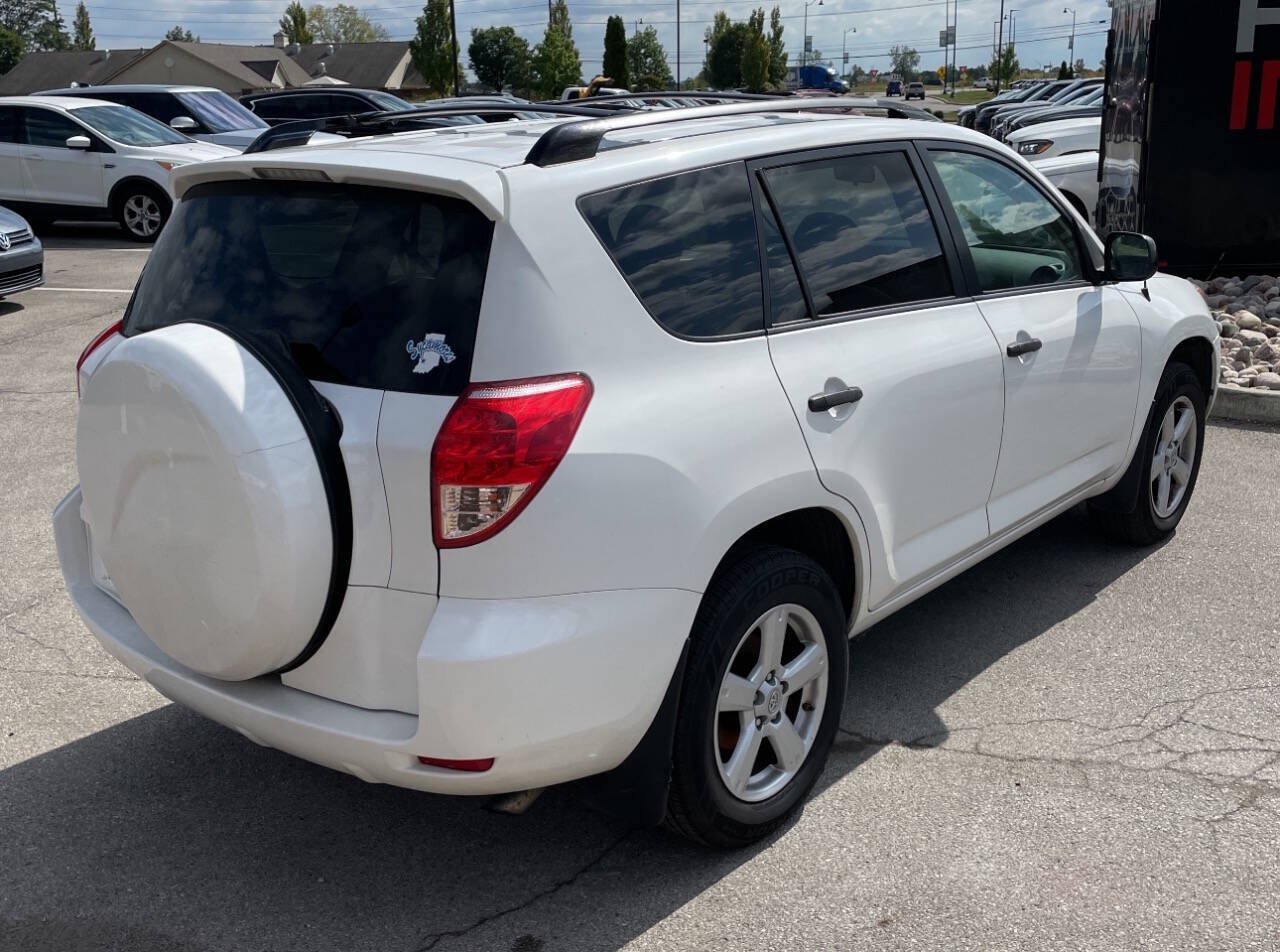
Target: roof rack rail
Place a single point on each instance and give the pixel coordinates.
(571, 141)
(299, 132)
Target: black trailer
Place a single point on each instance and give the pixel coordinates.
(1190, 145)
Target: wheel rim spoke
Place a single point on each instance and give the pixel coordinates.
(1181, 472)
(1183, 426)
(806, 666)
(1162, 493)
(738, 769)
(736, 694)
(787, 744)
(1166, 428)
(773, 632)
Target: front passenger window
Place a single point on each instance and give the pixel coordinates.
(1016, 236)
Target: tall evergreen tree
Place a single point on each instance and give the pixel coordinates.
(556, 63)
(82, 30)
(294, 24)
(615, 52)
(432, 48)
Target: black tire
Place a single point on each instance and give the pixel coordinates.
(142, 210)
(700, 805)
(1129, 516)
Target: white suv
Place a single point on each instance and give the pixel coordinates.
(85, 159)
(487, 458)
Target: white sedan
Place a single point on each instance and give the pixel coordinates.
(1049, 140)
(1076, 177)
(86, 159)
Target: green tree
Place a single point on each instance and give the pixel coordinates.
(431, 48)
(755, 55)
(12, 49)
(25, 18)
(343, 23)
(1078, 70)
(777, 49)
(499, 57)
(556, 63)
(904, 61)
(724, 64)
(294, 24)
(180, 35)
(49, 33)
(1064, 71)
(1005, 67)
(857, 75)
(647, 61)
(82, 29)
(615, 52)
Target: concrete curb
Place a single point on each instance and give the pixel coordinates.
(1242, 405)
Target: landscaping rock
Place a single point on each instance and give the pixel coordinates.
(1247, 320)
(1228, 329)
(1251, 338)
(1271, 381)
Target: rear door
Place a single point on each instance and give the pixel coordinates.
(53, 173)
(374, 294)
(894, 377)
(12, 187)
(1072, 349)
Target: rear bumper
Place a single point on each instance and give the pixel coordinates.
(554, 688)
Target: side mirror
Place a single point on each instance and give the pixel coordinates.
(79, 142)
(1131, 256)
(182, 123)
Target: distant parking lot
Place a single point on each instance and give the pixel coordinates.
(1071, 746)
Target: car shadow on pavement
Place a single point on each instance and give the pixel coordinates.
(168, 833)
(102, 236)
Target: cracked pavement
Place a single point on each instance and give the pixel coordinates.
(1072, 746)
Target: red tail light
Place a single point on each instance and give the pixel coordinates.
(498, 446)
(92, 346)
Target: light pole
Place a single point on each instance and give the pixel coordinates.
(1013, 28)
(1000, 50)
(677, 45)
(1071, 47)
(804, 40)
(844, 48)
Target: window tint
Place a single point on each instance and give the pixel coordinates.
(687, 245)
(284, 107)
(861, 231)
(369, 287)
(122, 124)
(786, 297)
(354, 105)
(1017, 238)
(218, 112)
(51, 129)
(9, 125)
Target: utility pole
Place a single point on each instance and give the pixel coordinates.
(844, 49)
(1000, 50)
(1071, 47)
(677, 44)
(453, 33)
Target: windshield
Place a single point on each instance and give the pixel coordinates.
(128, 126)
(218, 112)
(389, 102)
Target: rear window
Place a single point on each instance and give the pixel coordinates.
(363, 286)
(687, 246)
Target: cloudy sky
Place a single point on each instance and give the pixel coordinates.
(1042, 27)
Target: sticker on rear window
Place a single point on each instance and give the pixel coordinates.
(430, 352)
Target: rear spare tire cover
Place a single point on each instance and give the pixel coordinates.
(208, 500)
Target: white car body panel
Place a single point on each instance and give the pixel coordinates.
(1069, 407)
(1076, 176)
(1068, 136)
(550, 645)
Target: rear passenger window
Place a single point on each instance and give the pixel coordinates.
(687, 246)
(861, 231)
(786, 298)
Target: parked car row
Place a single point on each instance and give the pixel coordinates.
(1055, 124)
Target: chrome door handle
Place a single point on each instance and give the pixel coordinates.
(821, 402)
(1022, 347)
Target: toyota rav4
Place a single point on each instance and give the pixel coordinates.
(482, 459)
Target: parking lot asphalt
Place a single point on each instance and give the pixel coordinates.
(1071, 746)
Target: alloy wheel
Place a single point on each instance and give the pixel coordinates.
(770, 703)
(1174, 459)
(142, 215)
